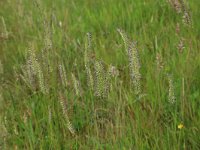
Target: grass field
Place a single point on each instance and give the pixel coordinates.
(100, 74)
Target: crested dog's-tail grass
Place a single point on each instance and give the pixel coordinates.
(159, 62)
(181, 8)
(99, 79)
(68, 84)
(32, 73)
(76, 84)
(64, 110)
(102, 80)
(134, 62)
(87, 61)
(62, 75)
(125, 38)
(186, 17)
(176, 5)
(171, 94)
(47, 35)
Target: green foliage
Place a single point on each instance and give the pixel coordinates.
(69, 80)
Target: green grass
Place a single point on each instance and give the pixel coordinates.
(33, 119)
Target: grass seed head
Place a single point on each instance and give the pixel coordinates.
(159, 61)
(62, 74)
(171, 93)
(64, 110)
(181, 46)
(176, 5)
(134, 62)
(99, 79)
(76, 84)
(87, 62)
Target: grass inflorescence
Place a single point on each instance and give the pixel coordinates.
(68, 80)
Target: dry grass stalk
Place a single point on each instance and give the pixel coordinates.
(4, 32)
(20, 8)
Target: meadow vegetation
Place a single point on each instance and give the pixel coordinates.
(107, 74)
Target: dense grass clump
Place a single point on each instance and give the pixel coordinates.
(100, 74)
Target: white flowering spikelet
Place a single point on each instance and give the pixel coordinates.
(171, 94)
(102, 80)
(159, 62)
(47, 35)
(176, 5)
(99, 79)
(62, 74)
(186, 18)
(90, 81)
(181, 8)
(134, 62)
(76, 84)
(64, 110)
(32, 72)
(180, 45)
(125, 39)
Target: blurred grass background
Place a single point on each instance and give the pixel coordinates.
(151, 123)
